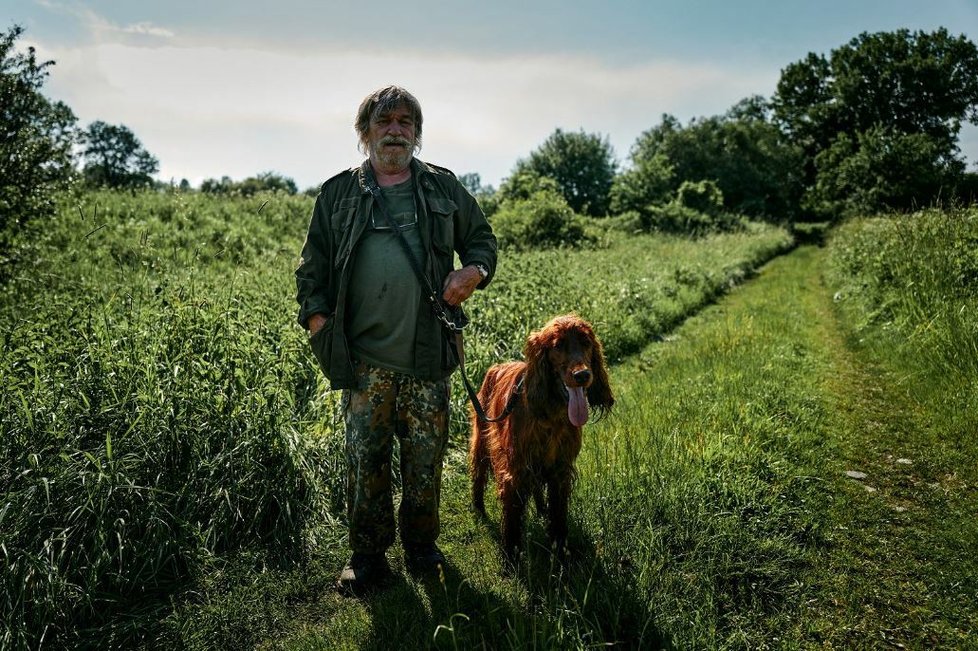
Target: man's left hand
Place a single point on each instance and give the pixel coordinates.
(460, 284)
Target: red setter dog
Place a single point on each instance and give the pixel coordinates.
(536, 445)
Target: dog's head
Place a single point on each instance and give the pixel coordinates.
(565, 362)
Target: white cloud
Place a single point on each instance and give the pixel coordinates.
(208, 111)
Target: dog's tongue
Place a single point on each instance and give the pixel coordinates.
(576, 406)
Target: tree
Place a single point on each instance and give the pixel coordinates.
(582, 164)
(36, 137)
(264, 182)
(903, 89)
(742, 152)
(115, 158)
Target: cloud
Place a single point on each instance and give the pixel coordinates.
(207, 111)
(100, 30)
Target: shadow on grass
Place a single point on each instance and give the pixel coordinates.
(581, 602)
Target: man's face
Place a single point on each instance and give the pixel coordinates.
(391, 140)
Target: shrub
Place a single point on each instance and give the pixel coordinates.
(544, 220)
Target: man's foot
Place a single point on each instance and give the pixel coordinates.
(364, 572)
(423, 559)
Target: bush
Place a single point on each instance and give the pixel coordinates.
(544, 220)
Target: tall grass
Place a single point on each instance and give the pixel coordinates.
(916, 276)
(160, 407)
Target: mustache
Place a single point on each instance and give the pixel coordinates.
(395, 140)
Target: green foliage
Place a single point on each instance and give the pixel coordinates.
(918, 275)
(702, 196)
(154, 396)
(742, 152)
(648, 182)
(115, 158)
(582, 164)
(542, 220)
(161, 409)
(523, 183)
(902, 89)
(881, 168)
(485, 195)
(36, 137)
(264, 182)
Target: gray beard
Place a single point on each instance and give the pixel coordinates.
(395, 159)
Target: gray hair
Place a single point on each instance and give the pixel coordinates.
(383, 101)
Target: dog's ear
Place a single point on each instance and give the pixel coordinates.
(539, 373)
(599, 393)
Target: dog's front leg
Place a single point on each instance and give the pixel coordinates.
(514, 507)
(558, 492)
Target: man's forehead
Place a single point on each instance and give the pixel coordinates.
(400, 109)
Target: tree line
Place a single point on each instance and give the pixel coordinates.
(872, 126)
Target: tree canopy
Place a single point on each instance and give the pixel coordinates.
(880, 94)
(742, 152)
(114, 157)
(36, 136)
(582, 164)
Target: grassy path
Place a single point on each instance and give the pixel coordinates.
(713, 510)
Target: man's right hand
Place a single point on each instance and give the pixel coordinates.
(316, 323)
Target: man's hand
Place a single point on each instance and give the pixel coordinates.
(316, 323)
(460, 284)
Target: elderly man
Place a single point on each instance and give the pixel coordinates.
(382, 237)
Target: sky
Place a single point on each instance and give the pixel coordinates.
(236, 88)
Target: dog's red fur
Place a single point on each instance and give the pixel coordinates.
(536, 446)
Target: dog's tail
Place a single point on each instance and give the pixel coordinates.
(479, 461)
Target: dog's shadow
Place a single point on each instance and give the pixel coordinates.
(600, 597)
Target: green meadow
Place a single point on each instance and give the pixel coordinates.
(173, 473)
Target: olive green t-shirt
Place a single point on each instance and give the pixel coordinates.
(384, 293)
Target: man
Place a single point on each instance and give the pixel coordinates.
(375, 333)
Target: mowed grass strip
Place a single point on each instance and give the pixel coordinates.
(713, 508)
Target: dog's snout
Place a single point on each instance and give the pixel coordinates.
(582, 376)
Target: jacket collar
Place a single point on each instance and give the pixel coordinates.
(419, 170)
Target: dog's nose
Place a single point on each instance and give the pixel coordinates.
(582, 377)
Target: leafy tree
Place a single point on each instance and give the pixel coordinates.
(880, 168)
(648, 182)
(743, 152)
(264, 182)
(36, 137)
(582, 164)
(524, 183)
(115, 158)
(484, 194)
(906, 89)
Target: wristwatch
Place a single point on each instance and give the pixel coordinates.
(482, 269)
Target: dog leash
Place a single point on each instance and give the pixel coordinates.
(453, 326)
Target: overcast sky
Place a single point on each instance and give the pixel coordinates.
(235, 88)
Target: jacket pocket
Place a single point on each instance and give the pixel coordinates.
(443, 217)
(322, 344)
(341, 223)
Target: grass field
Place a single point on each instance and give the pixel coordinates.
(162, 418)
(173, 478)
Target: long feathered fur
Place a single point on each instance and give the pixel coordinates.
(536, 446)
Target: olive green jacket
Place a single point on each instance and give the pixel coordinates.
(449, 220)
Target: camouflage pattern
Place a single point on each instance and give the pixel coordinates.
(383, 405)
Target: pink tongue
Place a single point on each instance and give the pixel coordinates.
(576, 406)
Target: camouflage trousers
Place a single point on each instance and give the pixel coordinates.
(386, 404)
